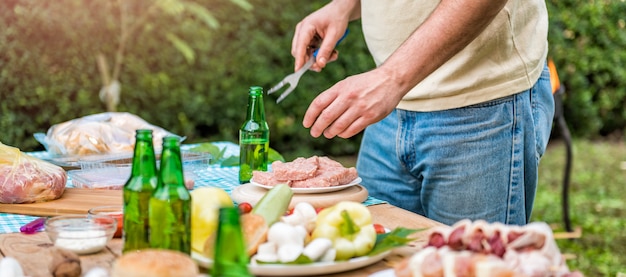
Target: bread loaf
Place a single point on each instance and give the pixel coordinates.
(103, 133)
(155, 263)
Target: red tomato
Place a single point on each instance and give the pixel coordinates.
(244, 207)
(318, 210)
(380, 229)
(119, 218)
(289, 212)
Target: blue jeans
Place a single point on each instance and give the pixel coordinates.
(475, 162)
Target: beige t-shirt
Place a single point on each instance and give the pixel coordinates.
(505, 59)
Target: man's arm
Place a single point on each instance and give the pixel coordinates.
(352, 104)
(452, 26)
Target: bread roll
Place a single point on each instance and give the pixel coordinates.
(154, 263)
(254, 231)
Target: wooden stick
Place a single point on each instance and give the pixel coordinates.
(103, 67)
(569, 235)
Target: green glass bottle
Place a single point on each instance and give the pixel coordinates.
(254, 137)
(231, 259)
(137, 192)
(170, 204)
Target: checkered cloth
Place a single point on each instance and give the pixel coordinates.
(215, 176)
(11, 223)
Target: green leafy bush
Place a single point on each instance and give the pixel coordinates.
(587, 41)
(49, 74)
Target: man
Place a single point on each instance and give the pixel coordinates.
(458, 110)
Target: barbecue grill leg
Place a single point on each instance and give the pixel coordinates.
(560, 119)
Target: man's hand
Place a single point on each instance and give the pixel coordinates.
(349, 106)
(323, 28)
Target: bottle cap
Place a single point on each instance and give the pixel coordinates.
(256, 90)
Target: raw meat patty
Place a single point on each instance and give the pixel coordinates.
(267, 178)
(298, 169)
(313, 172)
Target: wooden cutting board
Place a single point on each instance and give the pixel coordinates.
(73, 201)
(252, 194)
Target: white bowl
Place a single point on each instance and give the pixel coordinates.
(81, 234)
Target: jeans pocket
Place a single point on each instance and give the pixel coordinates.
(543, 110)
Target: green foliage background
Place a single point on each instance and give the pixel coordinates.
(596, 204)
(48, 70)
(587, 41)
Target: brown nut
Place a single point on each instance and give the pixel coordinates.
(64, 263)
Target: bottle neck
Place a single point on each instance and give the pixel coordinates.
(228, 216)
(171, 166)
(256, 109)
(144, 161)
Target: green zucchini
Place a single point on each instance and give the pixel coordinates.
(274, 203)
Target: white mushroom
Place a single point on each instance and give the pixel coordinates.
(284, 243)
(317, 248)
(97, 272)
(303, 214)
(10, 267)
(282, 233)
(286, 239)
(267, 252)
(267, 247)
(289, 252)
(303, 233)
(329, 256)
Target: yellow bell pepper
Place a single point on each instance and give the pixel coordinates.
(349, 226)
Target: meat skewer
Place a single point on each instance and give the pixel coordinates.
(481, 249)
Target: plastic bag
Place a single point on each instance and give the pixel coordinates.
(26, 179)
(103, 133)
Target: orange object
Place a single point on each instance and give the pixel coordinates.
(119, 218)
(554, 76)
(116, 212)
(120, 224)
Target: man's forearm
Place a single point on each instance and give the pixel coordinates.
(354, 6)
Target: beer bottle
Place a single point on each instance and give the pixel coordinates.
(254, 137)
(231, 259)
(170, 204)
(137, 192)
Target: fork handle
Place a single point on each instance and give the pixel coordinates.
(340, 39)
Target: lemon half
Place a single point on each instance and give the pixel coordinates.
(205, 204)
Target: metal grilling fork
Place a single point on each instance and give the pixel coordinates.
(293, 78)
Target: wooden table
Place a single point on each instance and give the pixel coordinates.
(31, 250)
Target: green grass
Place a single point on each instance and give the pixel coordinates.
(597, 204)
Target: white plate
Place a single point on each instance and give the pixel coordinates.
(384, 273)
(301, 269)
(314, 190)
